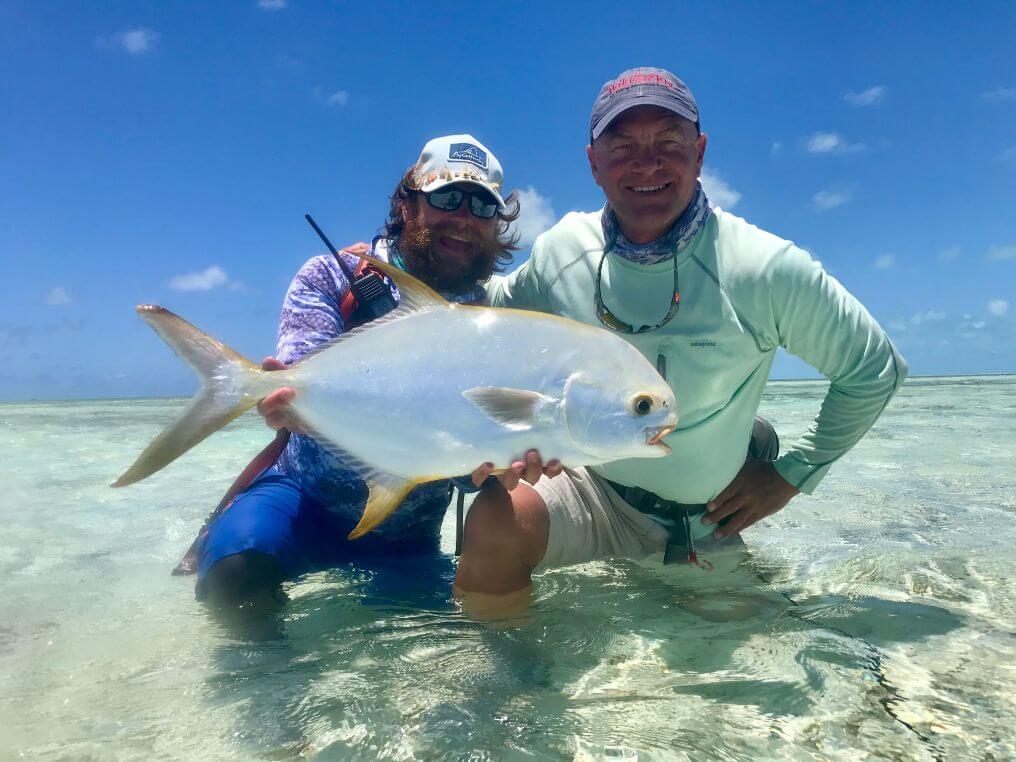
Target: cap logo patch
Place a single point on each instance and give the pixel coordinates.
(468, 152)
(640, 79)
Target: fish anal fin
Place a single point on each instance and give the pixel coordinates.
(387, 490)
(515, 409)
(385, 496)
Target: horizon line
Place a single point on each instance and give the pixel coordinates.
(770, 381)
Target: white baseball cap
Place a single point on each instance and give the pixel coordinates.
(458, 159)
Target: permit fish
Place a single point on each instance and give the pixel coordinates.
(431, 390)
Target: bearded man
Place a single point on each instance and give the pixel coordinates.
(449, 226)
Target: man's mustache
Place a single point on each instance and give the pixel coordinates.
(450, 230)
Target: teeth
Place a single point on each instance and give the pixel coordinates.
(655, 435)
(458, 238)
(648, 188)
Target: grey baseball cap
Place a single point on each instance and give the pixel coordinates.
(643, 86)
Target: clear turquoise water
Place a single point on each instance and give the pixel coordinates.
(886, 626)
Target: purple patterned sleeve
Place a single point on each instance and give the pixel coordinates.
(311, 316)
(311, 310)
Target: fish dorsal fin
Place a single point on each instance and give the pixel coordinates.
(515, 409)
(387, 490)
(414, 296)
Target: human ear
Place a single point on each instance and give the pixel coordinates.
(593, 166)
(700, 147)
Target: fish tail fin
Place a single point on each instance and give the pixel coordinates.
(230, 385)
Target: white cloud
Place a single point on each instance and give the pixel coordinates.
(139, 41)
(271, 5)
(949, 254)
(58, 297)
(931, 316)
(885, 262)
(205, 280)
(536, 216)
(776, 150)
(338, 98)
(822, 142)
(831, 142)
(996, 253)
(1008, 154)
(999, 94)
(718, 191)
(870, 97)
(830, 199)
(998, 307)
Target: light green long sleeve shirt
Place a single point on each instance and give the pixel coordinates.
(744, 292)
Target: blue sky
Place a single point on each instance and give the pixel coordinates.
(166, 152)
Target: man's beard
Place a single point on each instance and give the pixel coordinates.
(416, 245)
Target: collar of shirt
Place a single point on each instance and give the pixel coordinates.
(678, 237)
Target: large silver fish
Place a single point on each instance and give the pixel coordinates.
(432, 390)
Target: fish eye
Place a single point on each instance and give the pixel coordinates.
(642, 404)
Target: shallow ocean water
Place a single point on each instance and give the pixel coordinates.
(877, 618)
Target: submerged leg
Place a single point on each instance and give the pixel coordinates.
(257, 542)
(505, 537)
(250, 580)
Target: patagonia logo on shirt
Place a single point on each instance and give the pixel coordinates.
(703, 343)
(468, 152)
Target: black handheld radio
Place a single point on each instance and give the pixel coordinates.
(373, 296)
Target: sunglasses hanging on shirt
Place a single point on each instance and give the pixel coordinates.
(610, 320)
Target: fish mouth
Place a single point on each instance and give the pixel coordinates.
(655, 435)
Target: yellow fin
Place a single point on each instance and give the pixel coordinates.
(384, 498)
(387, 490)
(414, 293)
(230, 385)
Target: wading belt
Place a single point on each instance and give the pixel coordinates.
(681, 545)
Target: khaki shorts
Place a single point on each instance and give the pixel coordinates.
(589, 521)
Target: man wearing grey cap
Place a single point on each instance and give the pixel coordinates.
(292, 508)
(708, 298)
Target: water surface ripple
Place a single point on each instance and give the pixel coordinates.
(876, 618)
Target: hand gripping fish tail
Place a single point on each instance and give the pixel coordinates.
(230, 385)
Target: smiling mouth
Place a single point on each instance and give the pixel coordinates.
(456, 242)
(649, 188)
(655, 435)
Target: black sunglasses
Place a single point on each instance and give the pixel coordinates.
(481, 203)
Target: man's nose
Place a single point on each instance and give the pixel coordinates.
(462, 215)
(647, 157)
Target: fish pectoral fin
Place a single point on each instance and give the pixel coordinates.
(516, 409)
(386, 494)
